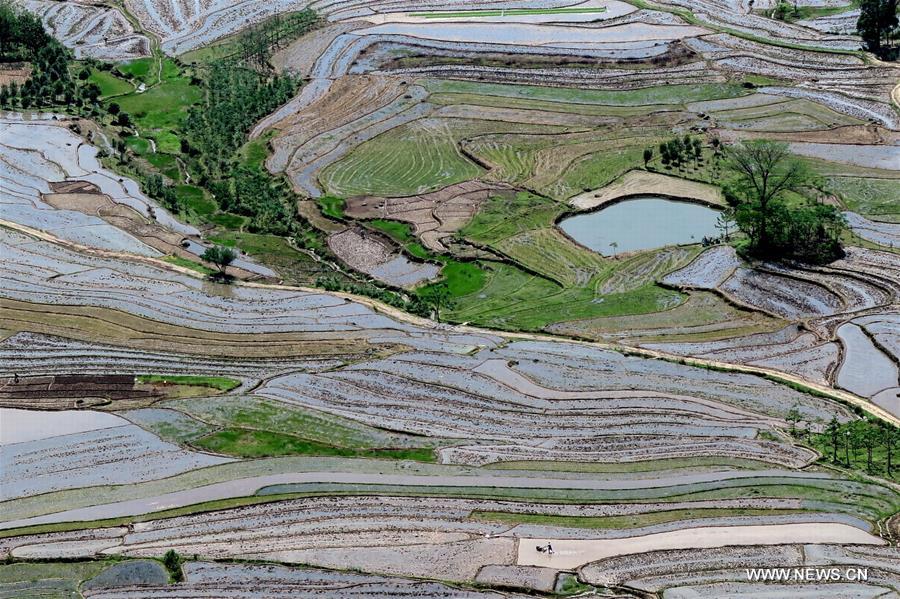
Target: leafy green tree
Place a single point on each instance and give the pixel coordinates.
(648, 156)
(725, 223)
(793, 417)
(438, 298)
(220, 256)
(173, 562)
(833, 431)
(877, 25)
(763, 172)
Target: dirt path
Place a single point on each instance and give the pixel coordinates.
(573, 553)
(155, 51)
(401, 316)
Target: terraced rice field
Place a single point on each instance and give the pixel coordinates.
(665, 419)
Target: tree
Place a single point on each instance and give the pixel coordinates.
(725, 223)
(220, 256)
(113, 108)
(172, 561)
(8, 24)
(648, 156)
(794, 416)
(833, 430)
(877, 25)
(614, 246)
(889, 436)
(765, 171)
(437, 297)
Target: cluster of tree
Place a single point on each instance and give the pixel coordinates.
(22, 34)
(413, 304)
(256, 43)
(763, 175)
(784, 10)
(235, 97)
(173, 562)
(253, 193)
(155, 187)
(879, 27)
(861, 442)
(22, 38)
(678, 152)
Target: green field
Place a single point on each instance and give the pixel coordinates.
(215, 382)
(622, 522)
(195, 199)
(254, 153)
(332, 206)
(138, 145)
(256, 444)
(663, 94)
(184, 262)
(109, 84)
(255, 427)
(876, 198)
(409, 159)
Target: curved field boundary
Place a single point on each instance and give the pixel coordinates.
(640, 182)
(773, 375)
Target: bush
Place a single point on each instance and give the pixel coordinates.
(172, 561)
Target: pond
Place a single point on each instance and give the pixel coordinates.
(642, 223)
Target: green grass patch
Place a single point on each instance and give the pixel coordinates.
(254, 153)
(166, 164)
(621, 522)
(512, 298)
(185, 263)
(662, 94)
(256, 244)
(162, 107)
(138, 69)
(401, 232)
(802, 13)
(195, 199)
(228, 220)
(273, 416)
(332, 206)
(249, 443)
(109, 84)
(460, 278)
(875, 198)
(138, 145)
(220, 383)
(420, 251)
(503, 217)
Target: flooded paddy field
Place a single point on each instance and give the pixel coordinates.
(528, 324)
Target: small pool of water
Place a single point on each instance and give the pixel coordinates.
(642, 223)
